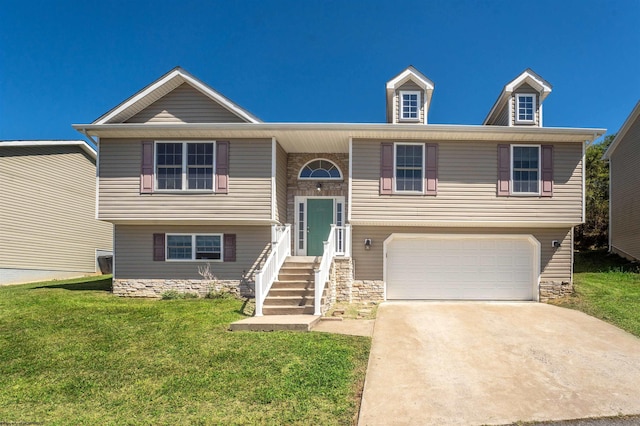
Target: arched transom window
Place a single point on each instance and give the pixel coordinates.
(320, 169)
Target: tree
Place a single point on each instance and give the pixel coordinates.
(594, 233)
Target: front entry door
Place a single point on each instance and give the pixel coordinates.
(319, 219)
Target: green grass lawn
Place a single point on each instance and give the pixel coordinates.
(72, 353)
(607, 287)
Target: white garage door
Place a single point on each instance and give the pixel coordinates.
(466, 267)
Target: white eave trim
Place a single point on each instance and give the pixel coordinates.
(462, 224)
(622, 132)
(190, 221)
(346, 130)
(407, 75)
(183, 77)
(80, 143)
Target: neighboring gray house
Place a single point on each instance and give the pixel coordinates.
(624, 188)
(48, 228)
(408, 209)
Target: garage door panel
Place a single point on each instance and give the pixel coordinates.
(482, 268)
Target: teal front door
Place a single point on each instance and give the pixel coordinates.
(319, 220)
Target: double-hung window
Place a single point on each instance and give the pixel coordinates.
(525, 108)
(194, 247)
(409, 167)
(410, 105)
(525, 169)
(185, 166)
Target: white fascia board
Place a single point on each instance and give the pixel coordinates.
(185, 221)
(137, 97)
(355, 130)
(460, 224)
(534, 80)
(406, 75)
(177, 73)
(82, 144)
(622, 132)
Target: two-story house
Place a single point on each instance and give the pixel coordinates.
(48, 226)
(399, 210)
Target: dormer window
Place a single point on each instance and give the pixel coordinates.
(410, 105)
(525, 108)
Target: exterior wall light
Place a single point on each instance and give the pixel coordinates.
(367, 244)
(318, 186)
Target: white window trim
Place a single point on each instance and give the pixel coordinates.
(525, 194)
(184, 167)
(424, 159)
(302, 251)
(314, 178)
(400, 105)
(193, 247)
(535, 102)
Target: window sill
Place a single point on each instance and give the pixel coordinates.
(183, 191)
(524, 194)
(194, 260)
(413, 193)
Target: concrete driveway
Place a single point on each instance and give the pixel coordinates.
(474, 363)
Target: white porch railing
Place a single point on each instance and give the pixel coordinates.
(338, 244)
(280, 249)
(343, 240)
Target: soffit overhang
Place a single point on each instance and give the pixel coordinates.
(334, 137)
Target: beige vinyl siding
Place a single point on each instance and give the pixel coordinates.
(281, 184)
(134, 252)
(47, 210)
(467, 180)
(555, 264)
(185, 104)
(411, 86)
(503, 117)
(625, 194)
(249, 194)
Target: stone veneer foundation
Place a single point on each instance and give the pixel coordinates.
(156, 288)
(554, 289)
(343, 288)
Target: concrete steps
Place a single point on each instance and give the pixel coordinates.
(293, 292)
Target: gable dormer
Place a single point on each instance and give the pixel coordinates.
(409, 97)
(177, 97)
(520, 102)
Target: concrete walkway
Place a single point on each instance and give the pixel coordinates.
(474, 363)
(352, 327)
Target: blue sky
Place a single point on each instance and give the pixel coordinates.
(64, 62)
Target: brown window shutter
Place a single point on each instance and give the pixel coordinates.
(222, 167)
(158, 247)
(504, 170)
(431, 169)
(547, 171)
(229, 248)
(146, 169)
(386, 168)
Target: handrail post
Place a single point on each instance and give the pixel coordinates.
(347, 240)
(258, 291)
(317, 310)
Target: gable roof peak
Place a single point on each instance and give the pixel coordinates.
(533, 79)
(411, 73)
(161, 87)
